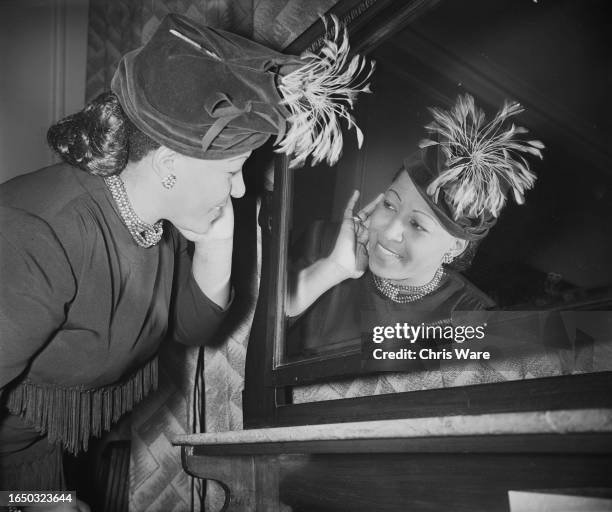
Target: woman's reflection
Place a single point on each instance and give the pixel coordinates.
(400, 257)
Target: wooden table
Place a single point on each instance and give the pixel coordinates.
(451, 463)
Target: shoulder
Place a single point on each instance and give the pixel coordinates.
(468, 296)
(58, 202)
(47, 191)
(30, 248)
(21, 229)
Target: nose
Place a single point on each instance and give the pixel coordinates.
(238, 187)
(394, 230)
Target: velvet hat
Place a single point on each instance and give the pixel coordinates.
(211, 94)
(468, 168)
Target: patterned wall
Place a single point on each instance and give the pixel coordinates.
(119, 26)
(582, 358)
(157, 482)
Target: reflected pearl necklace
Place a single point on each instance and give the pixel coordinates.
(145, 235)
(404, 294)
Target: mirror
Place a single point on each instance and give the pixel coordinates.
(554, 253)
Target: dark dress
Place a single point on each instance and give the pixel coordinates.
(338, 318)
(83, 310)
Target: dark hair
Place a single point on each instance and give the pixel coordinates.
(100, 139)
(464, 260)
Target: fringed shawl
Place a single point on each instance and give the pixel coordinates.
(70, 415)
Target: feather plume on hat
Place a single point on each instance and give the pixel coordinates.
(483, 159)
(319, 95)
(211, 94)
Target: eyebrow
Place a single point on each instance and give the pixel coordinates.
(416, 211)
(395, 192)
(427, 215)
(239, 157)
(235, 161)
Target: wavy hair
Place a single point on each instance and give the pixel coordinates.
(100, 139)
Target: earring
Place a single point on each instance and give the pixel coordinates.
(169, 181)
(447, 258)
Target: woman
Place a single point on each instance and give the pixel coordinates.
(444, 200)
(96, 268)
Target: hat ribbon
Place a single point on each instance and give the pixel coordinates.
(224, 115)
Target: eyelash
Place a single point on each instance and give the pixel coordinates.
(413, 222)
(388, 205)
(417, 226)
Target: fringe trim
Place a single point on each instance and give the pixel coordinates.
(69, 416)
(40, 467)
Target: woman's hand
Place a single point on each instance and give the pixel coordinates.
(349, 259)
(221, 227)
(212, 258)
(350, 253)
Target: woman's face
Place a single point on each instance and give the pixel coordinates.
(202, 189)
(406, 241)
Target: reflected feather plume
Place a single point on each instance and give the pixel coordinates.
(483, 159)
(319, 95)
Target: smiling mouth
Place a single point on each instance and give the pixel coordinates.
(387, 252)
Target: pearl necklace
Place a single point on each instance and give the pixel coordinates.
(404, 294)
(145, 235)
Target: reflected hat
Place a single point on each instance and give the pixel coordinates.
(211, 94)
(467, 169)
